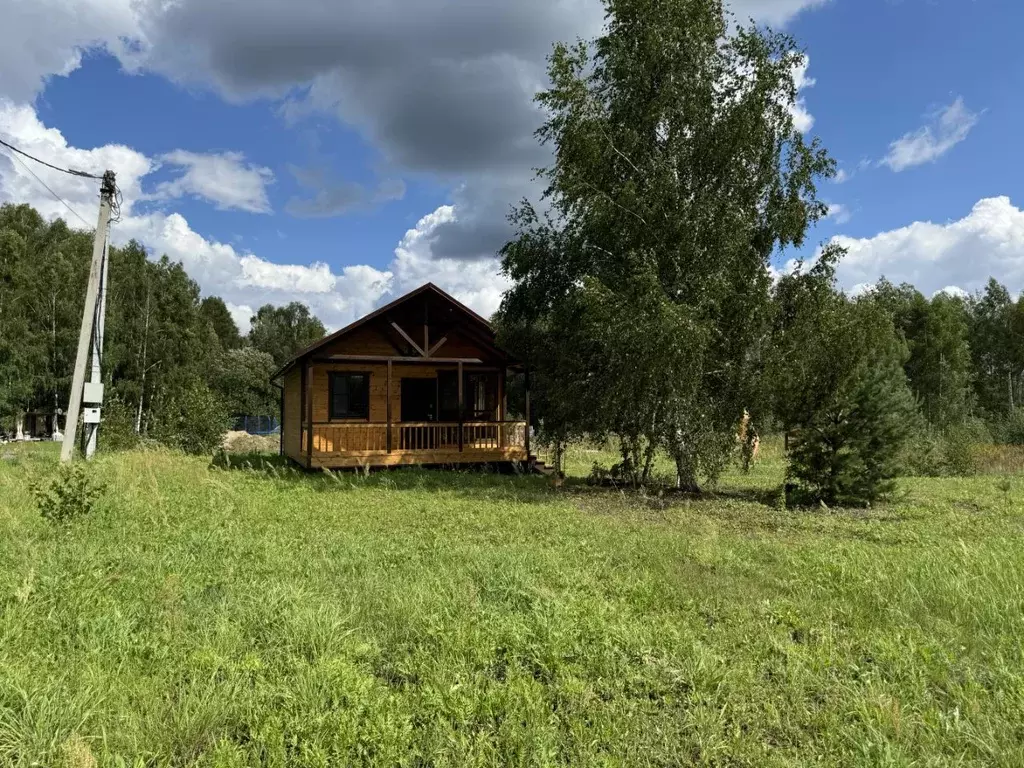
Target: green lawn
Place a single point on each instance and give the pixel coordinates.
(240, 617)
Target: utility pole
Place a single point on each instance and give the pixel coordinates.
(94, 389)
(89, 313)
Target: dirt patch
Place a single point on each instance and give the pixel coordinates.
(243, 442)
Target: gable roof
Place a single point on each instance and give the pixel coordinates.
(427, 288)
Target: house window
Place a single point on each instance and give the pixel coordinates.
(481, 396)
(350, 396)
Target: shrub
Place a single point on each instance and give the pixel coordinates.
(71, 495)
(195, 421)
(960, 446)
(924, 453)
(1010, 429)
(117, 432)
(943, 453)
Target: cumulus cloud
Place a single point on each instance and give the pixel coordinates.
(477, 284)
(803, 120)
(839, 213)
(242, 315)
(946, 128)
(223, 179)
(442, 87)
(43, 38)
(962, 254)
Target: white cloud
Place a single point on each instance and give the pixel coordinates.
(841, 176)
(223, 179)
(963, 254)
(839, 213)
(42, 38)
(947, 128)
(242, 315)
(953, 291)
(803, 120)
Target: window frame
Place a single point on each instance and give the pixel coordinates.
(331, 376)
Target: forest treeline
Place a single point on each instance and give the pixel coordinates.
(175, 366)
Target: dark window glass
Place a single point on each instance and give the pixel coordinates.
(448, 385)
(350, 396)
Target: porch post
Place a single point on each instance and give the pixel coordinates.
(460, 408)
(280, 423)
(389, 406)
(302, 407)
(502, 407)
(309, 415)
(527, 413)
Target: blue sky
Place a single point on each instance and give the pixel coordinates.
(341, 152)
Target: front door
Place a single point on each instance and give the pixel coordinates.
(419, 399)
(419, 404)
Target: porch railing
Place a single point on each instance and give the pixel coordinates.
(372, 437)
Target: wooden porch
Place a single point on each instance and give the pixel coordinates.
(380, 445)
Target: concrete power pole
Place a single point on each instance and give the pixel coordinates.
(94, 389)
(89, 316)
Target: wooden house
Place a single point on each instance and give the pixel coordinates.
(419, 381)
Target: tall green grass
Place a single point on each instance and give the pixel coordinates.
(265, 617)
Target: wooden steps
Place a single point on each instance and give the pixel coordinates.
(540, 467)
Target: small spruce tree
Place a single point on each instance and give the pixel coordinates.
(847, 451)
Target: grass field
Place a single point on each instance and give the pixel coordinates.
(241, 617)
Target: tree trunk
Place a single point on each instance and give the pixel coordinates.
(649, 453)
(142, 367)
(686, 477)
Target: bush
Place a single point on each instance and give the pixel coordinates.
(117, 432)
(960, 446)
(71, 495)
(949, 452)
(1010, 429)
(195, 421)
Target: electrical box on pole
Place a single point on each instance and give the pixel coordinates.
(89, 321)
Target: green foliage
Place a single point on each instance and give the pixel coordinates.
(72, 494)
(960, 444)
(939, 364)
(242, 379)
(216, 313)
(281, 332)
(641, 300)
(1010, 429)
(849, 452)
(997, 345)
(117, 432)
(194, 421)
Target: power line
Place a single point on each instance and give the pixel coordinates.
(47, 188)
(70, 171)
